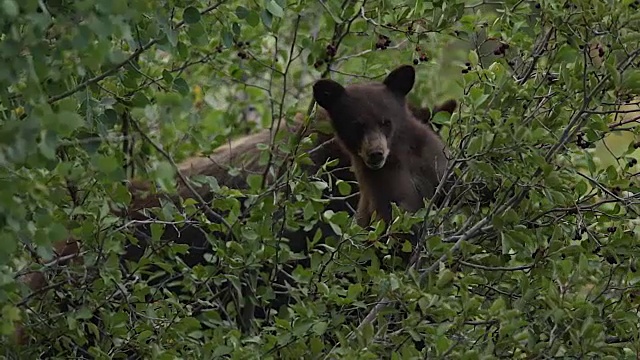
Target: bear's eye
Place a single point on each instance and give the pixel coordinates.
(386, 122)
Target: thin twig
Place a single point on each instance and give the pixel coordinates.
(114, 69)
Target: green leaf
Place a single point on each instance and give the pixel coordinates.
(445, 277)
(227, 39)
(275, 9)
(10, 8)
(474, 145)
(242, 12)
(631, 80)
(8, 244)
(105, 163)
(57, 232)
(254, 181)
(440, 118)
(66, 122)
(354, 291)
(344, 188)
(235, 27)
(473, 58)
(267, 18)
(581, 188)
(191, 15)
(181, 86)
(253, 19)
(407, 247)
(320, 327)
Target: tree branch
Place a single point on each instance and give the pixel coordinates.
(114, 69)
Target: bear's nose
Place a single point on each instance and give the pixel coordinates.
(376, 157)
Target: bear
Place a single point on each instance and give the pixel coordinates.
(396, 158)
(216, 164)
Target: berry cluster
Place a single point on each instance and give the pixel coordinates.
(635, 5)
(331, 50)
(383, 42)
(600, 50)
(501, 49)
(423, 57)
(581, 142)
(242, 45)
(468, 67)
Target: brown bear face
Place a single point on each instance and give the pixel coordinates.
(365, 116)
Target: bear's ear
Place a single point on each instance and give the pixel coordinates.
(448, 106)
(326, 92)
(401, 79)
(422, 114)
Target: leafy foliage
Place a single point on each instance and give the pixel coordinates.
(96, 93)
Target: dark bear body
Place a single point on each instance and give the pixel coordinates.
(396, 158)
(242, 153)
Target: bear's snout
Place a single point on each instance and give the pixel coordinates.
(375, 159)
(374, 150)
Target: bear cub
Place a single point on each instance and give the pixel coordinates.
(395, 157)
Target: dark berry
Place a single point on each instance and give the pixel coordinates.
(464, 71)
(535, 253)
(416, 61)
(409, 28)
(611, 229)
(636, 145)
(610, 259)
(581, 46)
(467, 64)
(418, 49)
(537, 5)
(601, 52)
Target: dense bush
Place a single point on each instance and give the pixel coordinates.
(96, 92)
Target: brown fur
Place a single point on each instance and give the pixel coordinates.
(406, 160)
(241, 153)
